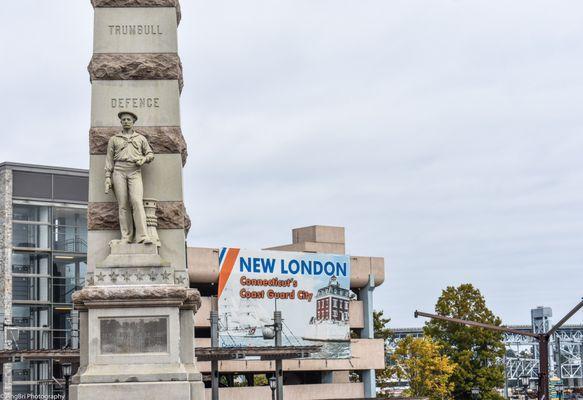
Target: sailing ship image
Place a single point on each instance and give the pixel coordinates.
(242, 318)
(330, 324)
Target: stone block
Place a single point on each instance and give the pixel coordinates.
(172, 250)
(162, 179)
(140, 3)
(144, 272)
(164, 140)
(319, 234)
(312, 247)
(139, 391)
(137, 66)
(156, 102)
(97, 355)
(105, 216)
(135, 30)
(121, 248)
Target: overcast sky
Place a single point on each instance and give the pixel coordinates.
(446, 136)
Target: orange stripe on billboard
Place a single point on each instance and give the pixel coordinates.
(227, 267)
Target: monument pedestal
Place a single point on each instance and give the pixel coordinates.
(137, 330)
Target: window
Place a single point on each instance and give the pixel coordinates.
(70, 230)
(61, 327)
(34, 236)
(66, 276)
(30, 228)
(29, 289)
(27, 213)
(30, 263)
(32, 316)
(72, 188)
(32, 184)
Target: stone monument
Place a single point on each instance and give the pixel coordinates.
(136, 311)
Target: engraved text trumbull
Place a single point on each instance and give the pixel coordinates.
(132, 30)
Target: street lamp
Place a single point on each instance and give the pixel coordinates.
(67, 374)
(273, 386)
(475, 393)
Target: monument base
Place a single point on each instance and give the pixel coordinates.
(137, 330)
(138, 391)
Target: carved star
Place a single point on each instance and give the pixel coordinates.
(153, 275)
(126, 276)
(100, 276)
(90, 280)
(166, 275)
(179, 279)
(113, 276)
(140, 276)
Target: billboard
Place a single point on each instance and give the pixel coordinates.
(312, 291)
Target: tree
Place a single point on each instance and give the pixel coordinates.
(418, 361)
(477, 352)
(381, 331)
(380, 325)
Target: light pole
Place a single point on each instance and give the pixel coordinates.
(277, 334)
(214, 362)
(273, 386)
(67, 374)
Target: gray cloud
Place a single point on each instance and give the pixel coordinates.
(444, 135)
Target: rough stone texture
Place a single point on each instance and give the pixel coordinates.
(6, 268)
(124, 293)
(121, 67)
(171, 215)
(164, 140)
(187, 222)
(140, 3)
(104, 216)
(6, 243)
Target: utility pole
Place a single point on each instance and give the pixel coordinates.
(542, 338)
(278, 362)
(214, 361)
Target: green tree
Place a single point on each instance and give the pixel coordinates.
(418, 361)
(381, 331)
(380, 325)
(476, 352)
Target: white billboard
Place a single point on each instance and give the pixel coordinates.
(312, 291)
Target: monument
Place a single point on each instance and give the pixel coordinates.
(136, 310)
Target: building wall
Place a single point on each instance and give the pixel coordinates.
(36, 206)
(367, 354)
(6, 270)
(6, 242)
(296, 392)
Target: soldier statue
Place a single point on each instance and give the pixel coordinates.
(127, 151)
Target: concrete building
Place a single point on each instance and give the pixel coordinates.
(43, 242)
(43, 231)
(303, 378)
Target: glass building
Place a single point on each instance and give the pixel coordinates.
(43, 239)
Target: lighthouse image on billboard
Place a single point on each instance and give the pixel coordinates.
(331, 320)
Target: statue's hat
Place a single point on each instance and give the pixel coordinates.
(119, 114)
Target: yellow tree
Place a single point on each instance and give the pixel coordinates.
(418, 361)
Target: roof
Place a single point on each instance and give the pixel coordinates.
(43, 169)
